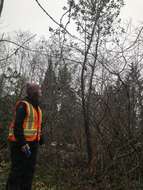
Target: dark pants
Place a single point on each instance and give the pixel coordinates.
(22, 168)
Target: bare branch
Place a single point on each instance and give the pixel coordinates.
(19, 47)
(1, 6)
(60, 25)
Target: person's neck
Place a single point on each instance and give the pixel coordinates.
(34, 101)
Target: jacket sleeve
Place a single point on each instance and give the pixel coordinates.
(18, 130)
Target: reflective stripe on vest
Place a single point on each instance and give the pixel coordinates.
(31, 124)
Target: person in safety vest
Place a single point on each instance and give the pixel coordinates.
(24, 137)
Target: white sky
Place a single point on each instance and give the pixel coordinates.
(26, 15)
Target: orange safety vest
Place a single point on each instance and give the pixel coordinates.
(31, 124)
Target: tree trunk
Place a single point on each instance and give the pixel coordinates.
(88, 137)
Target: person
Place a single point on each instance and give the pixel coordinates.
(24, 138)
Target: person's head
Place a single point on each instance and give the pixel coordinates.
(33, 90)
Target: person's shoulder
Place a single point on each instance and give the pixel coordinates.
(21, 104)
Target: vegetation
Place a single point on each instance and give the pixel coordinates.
(92, 98)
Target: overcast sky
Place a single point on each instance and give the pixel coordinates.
(26, 14)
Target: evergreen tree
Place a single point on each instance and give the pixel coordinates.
(49, 99)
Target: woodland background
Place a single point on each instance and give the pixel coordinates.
(92, 98)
